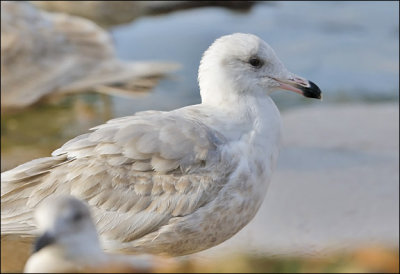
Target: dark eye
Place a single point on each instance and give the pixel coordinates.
(255, 62)
(77, 216)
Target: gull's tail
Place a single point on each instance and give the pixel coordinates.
(21, 190)
(122, 78)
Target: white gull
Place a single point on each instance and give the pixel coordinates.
(171, 182)
(69, 243)
(46, 53)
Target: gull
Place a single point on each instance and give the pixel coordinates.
(108, 13)
(174, 182)
(69, 242)
(47, 54)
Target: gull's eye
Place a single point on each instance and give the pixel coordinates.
(255, 62)
(78, 216)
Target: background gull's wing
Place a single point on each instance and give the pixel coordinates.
(46, 53)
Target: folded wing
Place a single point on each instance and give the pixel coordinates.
(135, 172)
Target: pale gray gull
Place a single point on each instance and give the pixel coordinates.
(172, 182)
(109, 13)
(46, 54)
(69, 243)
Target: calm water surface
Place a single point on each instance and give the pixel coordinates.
(350, 49)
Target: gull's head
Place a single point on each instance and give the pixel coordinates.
(65, 221)
(240, 65)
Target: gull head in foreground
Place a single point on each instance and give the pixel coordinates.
(172, 182)
(69, 238)
(69, 242)
(65, 221)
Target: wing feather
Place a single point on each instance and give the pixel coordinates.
(136, 173)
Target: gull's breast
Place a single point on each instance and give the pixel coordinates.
(234, 206)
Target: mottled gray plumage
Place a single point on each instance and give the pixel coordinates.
(138, 172)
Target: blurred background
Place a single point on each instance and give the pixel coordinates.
(333, 205)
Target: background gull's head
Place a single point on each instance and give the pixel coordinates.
(240, 65)
(65, 221)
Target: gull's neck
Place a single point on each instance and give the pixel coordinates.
(255, 118)
(251, 126)
(82, 247)
(242, 107)
(248, 108)
(225, 94)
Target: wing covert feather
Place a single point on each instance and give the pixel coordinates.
(135, 172)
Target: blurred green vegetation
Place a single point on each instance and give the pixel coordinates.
(368, 259)
(38, 130)
(365, 260)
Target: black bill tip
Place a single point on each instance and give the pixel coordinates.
(43, 241)
(312, 91)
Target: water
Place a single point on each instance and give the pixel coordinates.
(350, 49)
